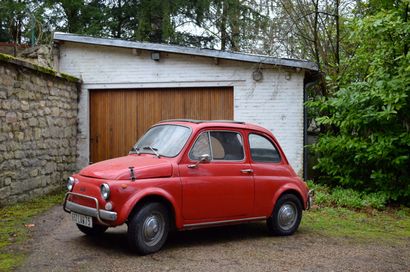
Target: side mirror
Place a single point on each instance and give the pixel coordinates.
(202, 159)
(205, 158)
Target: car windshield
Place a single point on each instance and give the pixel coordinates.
(163, 140)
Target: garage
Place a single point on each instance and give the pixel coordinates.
(127, 86)
(119, 117)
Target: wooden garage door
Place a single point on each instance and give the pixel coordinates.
(119, 117)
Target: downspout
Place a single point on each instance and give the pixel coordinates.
(56, 56)
(306, 86)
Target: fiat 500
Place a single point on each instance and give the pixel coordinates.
(186, 174)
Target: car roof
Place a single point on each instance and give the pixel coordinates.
(199, 124)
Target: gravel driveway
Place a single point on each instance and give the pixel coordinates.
(57, 245)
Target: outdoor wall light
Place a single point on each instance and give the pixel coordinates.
(155, 56)
(257, 75)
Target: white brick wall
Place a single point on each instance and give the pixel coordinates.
(276, 102)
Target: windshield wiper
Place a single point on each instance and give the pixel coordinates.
(134, 150)
(155, 150)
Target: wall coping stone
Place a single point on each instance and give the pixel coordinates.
(44, 70)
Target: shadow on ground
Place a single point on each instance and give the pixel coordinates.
(116, 239)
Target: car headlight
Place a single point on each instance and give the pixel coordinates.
(70, 183)
(105, 191)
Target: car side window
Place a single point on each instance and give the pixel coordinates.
(262, 149)
(226, 145)
(220, 145)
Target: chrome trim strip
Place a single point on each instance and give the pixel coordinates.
(95, 214)
(224, 222)
(210, 145)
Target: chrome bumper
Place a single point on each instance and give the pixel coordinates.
(311, 194)
(96, 212)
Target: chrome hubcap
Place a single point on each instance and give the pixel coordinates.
(153, 229)
(287, 216)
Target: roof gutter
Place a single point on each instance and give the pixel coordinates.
(194, 51)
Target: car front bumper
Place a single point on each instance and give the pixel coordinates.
(96, 212)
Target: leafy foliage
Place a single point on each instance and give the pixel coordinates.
(367, 146)
(19, 20)
(229, 24)
(347, 198)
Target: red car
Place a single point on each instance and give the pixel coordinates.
(185, 174)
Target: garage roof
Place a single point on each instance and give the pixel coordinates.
(293, 63)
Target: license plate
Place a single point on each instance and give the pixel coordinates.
(82, 219)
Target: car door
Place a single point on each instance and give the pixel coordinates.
(222, 187)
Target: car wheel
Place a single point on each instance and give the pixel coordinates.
(94, 231)
(286, 215)
(148, 228)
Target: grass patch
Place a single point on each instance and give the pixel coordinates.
(389, 225)
(347, 213)
(15, 226)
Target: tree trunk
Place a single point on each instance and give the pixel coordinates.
(120, 20)
(315, 32)
(234, 23)
(337, 40)
(224, 34)
(406, 18)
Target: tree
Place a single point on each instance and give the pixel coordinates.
(76, 16)
(367, 145)
(234, 25)
(17, 19)
(228, 24)
(315, 30)
(155, 20)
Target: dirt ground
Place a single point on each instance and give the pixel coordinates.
(57, 245)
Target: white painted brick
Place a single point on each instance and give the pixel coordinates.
(275, 103)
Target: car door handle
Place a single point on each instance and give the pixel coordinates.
(247, 171)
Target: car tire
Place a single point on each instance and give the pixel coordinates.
(94, 231)
(148, 228)
(286, 216)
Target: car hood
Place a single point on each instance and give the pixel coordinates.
(145, 166)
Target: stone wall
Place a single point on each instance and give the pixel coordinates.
(38, 129)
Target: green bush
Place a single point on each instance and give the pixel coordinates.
(375, 200)
(367, 143)
(347, 198)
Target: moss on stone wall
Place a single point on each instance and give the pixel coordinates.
(6, 57)
(69, 77)
(45, 70)
(36, 67)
